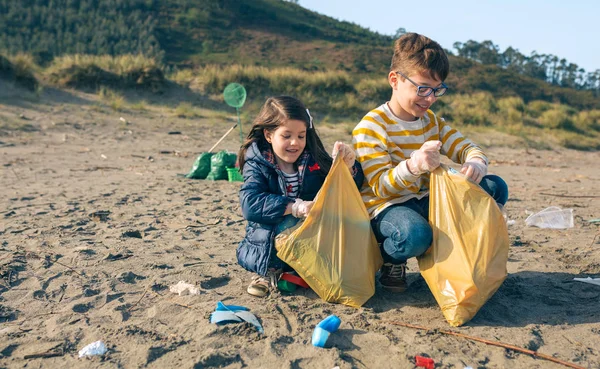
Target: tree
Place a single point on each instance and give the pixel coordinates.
(512, 60)
(48, 28)
(399, 32)
(488, 53)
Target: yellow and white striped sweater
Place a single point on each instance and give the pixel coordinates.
(382, 141)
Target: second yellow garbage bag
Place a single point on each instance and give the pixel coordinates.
(334, 250)
(466, 263)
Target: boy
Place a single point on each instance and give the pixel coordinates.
(399, 143)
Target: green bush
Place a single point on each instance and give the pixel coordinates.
(92, 72)
(476, 109)
(511, 110)
(376, 90)
(537, 107)
(19, 69)
(588, 120)
(558, 117)
(579, 142)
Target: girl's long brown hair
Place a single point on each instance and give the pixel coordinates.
(274, 113)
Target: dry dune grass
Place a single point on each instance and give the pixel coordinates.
(337, 95)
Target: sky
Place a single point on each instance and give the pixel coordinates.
(567, 29)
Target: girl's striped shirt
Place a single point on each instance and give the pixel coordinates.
(291, 183)
(383, 143)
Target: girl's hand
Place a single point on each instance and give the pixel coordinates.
(346, 152)
(301, 208)
(474, 169)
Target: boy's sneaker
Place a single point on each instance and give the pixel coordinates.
(393, 277)
(261, 285)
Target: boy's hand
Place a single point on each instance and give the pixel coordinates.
(301, 208)
(474, 169)
(426, 159)
(346, 152)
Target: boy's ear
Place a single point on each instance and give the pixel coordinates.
(393, 79)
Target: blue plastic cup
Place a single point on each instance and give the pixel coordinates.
(324, 329)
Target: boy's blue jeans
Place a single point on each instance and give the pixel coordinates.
(403, 230)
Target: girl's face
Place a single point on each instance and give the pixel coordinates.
(405, 102)
(288, 142)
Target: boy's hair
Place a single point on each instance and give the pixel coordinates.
(415, 53)
(274, 113)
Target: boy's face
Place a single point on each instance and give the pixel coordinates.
(405, 102)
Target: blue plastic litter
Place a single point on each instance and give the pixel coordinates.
(324, 329)
(222, 307)
(224, 314)
(224, 317)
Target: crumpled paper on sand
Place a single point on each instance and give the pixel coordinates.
(182, 288)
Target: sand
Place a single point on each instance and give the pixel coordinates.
(96, 224)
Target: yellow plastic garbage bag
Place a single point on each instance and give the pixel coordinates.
(334, 250)
(466, 262)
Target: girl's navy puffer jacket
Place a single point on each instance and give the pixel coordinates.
(263, 202)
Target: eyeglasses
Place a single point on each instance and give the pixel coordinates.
(425, 91)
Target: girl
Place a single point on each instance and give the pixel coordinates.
(284, 165)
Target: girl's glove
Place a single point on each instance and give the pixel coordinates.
(301, 208)
(346, 152)
(426, 159)
(474, 169)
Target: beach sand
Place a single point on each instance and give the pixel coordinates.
(96, 224)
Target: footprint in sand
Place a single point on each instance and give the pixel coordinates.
(219, 360)
(130, 277)
(280, 344)
(215, 282)
(82, 308)
(8, 350)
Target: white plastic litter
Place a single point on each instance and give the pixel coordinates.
(552, 217)
(591, 280)
(93, 349)
(183, 288)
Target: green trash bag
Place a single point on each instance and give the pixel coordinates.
(201, 166)
(219, 164)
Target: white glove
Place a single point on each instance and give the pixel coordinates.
(426, 159)
(346, 152)
(474, 169)
(301, 208)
